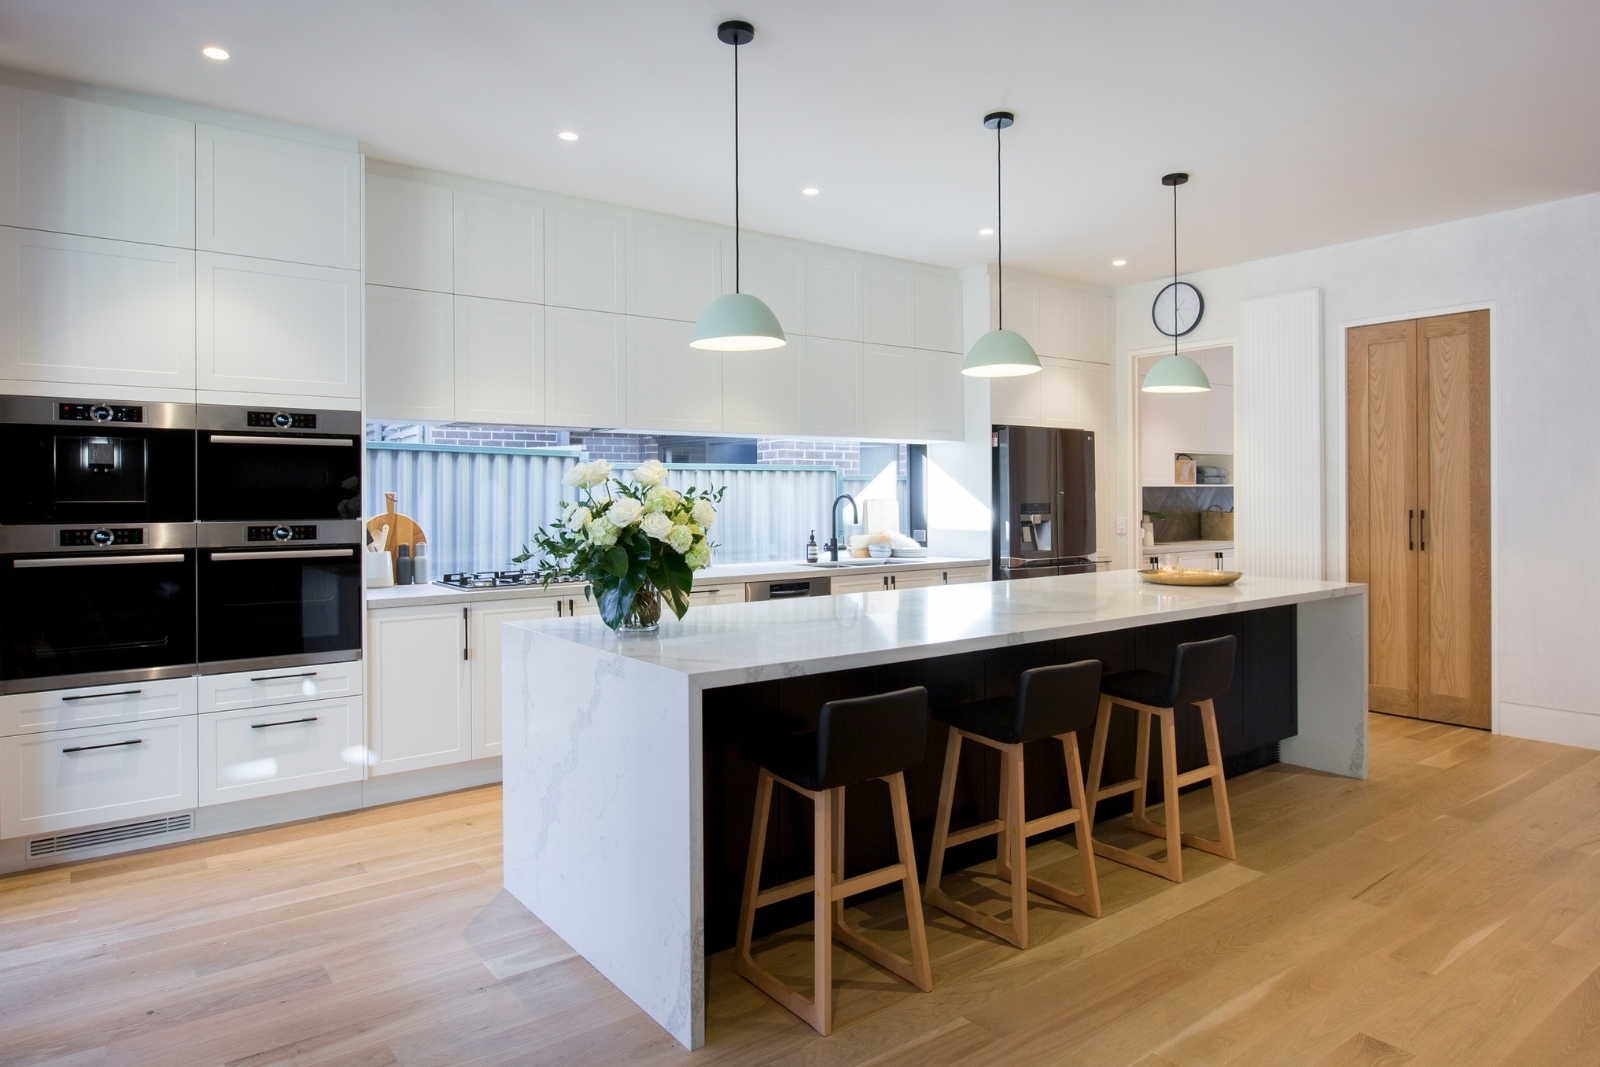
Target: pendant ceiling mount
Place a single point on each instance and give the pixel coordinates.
(1000, 353)
(1176, 311)
(737, 321)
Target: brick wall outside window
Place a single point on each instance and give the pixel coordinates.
(809, 452)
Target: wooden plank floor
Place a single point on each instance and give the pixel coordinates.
(1445, 912)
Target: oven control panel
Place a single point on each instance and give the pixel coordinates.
(280, 533)
(102, 537)
(99, 413)
(281, 420)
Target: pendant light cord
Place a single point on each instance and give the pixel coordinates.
(736, 169)
(1174, 268)
(999, 229)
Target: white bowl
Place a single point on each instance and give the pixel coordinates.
(879, 550)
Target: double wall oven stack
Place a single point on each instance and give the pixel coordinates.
(146, 540)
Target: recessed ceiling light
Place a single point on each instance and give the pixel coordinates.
(1119, 263)
(567, 135)
(810, 190)
(987, 231)
(213, 52)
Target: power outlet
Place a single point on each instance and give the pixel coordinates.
(1122, 527)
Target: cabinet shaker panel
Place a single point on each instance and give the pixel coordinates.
(670, 385)
(887, 307)
(938, 313)
(409, 226)
(830, 387)
(499, 248)
(410, 354)
(777, 274)
(672, 274)
(833, 299)
(499, 361)
(888, 391)
(584, 368)
(584, 257)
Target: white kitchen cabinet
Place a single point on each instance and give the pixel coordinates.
(96, 705)
(93, 312)
(776, 273)
(1015, 401)
(585, 365)
(486, 620)
(1059, 316)
(761, 391)
(716, 593)
(273, 198)
(584, 257)
(833, 297)
(672, 273)
(64, 779)
(670, 385)
(941, 407)
(888, 392)
(409, 234)
(72, 166)
(1060, 393)
(1020, 301)
(250, 690)
(1066, 393)
(499, 248)
(419, 687)
(887, 307)
(265, 751)
(842, 583)
(938, 314)
(915, 579)
(830, 386)
(410, 354)
(499, 361)
(968, 574)
(267, 326)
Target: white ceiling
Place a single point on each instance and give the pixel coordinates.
(1303, 125)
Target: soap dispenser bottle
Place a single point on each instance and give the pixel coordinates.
(811, 548)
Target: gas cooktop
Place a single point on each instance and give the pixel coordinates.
(499, 579)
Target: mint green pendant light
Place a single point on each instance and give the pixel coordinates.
(1000, 353)
(1175, 373)
(737, 322)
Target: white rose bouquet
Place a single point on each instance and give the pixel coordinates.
(638, 542)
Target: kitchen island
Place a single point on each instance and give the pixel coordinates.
(623, 792)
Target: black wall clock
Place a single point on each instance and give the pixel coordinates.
(1177, 309)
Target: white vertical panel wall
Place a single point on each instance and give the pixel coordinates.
(1278, 436)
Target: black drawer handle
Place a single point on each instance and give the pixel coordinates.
(280, 677)
(109, 744)
(285, 722)
(99, 696)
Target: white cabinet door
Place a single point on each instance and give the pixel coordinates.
(584, 358)
(1218, 432)
(887, 307)
(1229, 561)
(499, 248)
(276, 199)
(93, 312)
(419, 688)
(775, 273)
(1015, 401)
(940, 396)
(833, 298)
(830, 387)
(670, 385)
(77, 167)
(938, 311)
(967, 575)
(499, 361)
(915, 579)
(583, 265)
(1060, 393)
(266, 751)
(69, 778)
(858, 583)
(486, 620)
(409, 234)
(98, 705)
(672, 274)
(272, 327)
(761, 391)
(719, 593)
(411, 372)
(1059, 313)
(888, 392)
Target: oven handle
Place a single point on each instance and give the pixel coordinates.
(290, 553)
(317, 442)
(95, 561)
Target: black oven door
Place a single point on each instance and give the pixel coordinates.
(279, 607)
(278, 466)
(96, 617)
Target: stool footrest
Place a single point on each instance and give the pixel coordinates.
(1116, 789)
(1199, 774)
(972, 833)
(798, 887)
(871, 880)
(1053, 821)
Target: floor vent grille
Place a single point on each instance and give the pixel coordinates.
(107, 835)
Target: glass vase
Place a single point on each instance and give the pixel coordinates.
(644, 616)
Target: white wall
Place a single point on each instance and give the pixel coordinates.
(1538, 271)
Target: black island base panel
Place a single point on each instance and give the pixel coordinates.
(1252, 718)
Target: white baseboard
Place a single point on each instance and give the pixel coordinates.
(1550, 724)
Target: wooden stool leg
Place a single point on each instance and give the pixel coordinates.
(1097, 755)
(1224, 845)
(752, 867)
(921, 968)
(1169, 793)
(941, 822)
(1002, 844)
(1084, 831)
(838, 850)
(822, 912)
(1016, 819)
(1141, 775)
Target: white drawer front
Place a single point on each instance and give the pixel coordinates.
(99, 705)
(257, 753)
(70, 778)
(263, 688)
(966, 574)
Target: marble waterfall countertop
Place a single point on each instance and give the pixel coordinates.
(731, 644)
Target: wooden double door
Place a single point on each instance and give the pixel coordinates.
(1418, 395)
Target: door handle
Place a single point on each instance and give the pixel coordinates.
(279, 677)
(291, 553)
(466, 635)
(109, 744)
(1411, 536)
(316, 442)
(283, 722)
(95, 561)
(101, 696)
(1422, 529)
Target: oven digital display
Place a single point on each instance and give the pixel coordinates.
(281, 420)
(101, 536)
(99, 413)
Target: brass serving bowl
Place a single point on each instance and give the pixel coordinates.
(1188, 576)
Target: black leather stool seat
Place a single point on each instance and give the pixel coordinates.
(1142, 687)
(1050, 701)
(1201, 670)
(856, 740)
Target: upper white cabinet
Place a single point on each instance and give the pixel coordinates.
(499, 361)
(888, 302)
(72, 166)
(1019, 311)
(830, 386)
(670, 385)
(940, 396)
(777, 274)
(584, 256)
(274, 327)
(1063, 394)
(409, 226)
(499, 248)
(761, 391)
(410, 354)
(276, 199)
(672, 274)
(94, 312)
(938, 313)
(584, 368)
(888, 392)
(833, 298)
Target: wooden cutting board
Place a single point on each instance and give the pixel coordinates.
(403, 530)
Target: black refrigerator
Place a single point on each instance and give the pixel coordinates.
(1044, 517)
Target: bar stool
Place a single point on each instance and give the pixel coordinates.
(1050, 702)
(1201, 671)
(856, 741)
